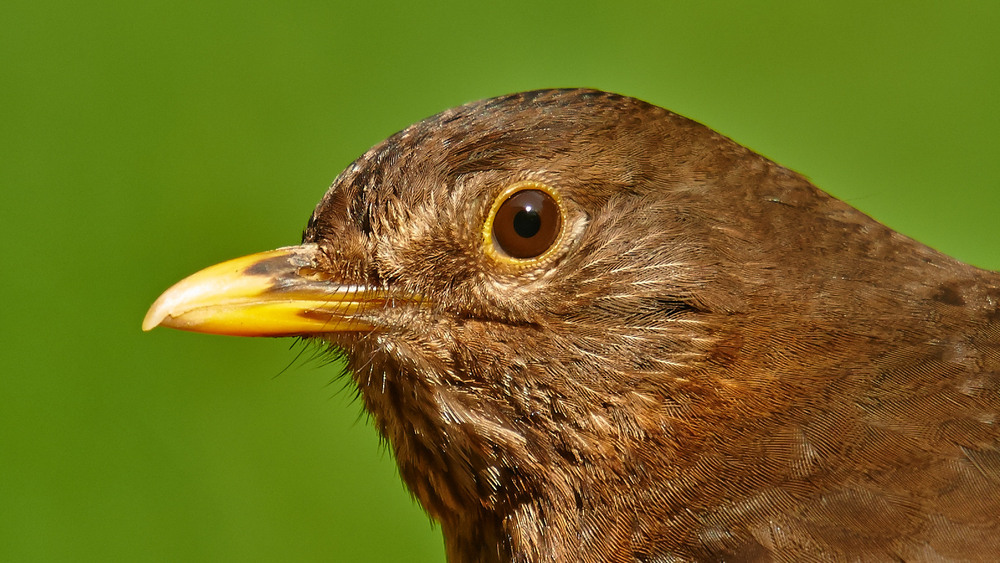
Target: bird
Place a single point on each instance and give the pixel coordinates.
(591, 329)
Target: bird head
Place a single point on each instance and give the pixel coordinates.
(551, 308)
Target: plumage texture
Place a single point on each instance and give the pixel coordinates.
(721, 363)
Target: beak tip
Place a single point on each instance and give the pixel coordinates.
(152, 319)
(160, 311)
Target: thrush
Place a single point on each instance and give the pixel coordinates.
(594, 330)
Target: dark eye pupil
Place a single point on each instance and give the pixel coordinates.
(527, 223)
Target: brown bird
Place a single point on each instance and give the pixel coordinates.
(594, 330)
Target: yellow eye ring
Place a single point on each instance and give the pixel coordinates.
(525, 225)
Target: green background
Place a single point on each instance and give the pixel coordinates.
(139, 143)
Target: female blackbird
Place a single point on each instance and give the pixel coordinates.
(594, 330)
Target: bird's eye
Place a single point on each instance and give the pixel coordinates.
(525, 222)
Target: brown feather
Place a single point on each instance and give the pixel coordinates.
(724, 363)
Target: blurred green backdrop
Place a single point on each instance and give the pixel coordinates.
(143, 141)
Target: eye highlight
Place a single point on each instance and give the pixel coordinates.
(524, 225)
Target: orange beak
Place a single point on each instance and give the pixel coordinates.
(274, 293)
